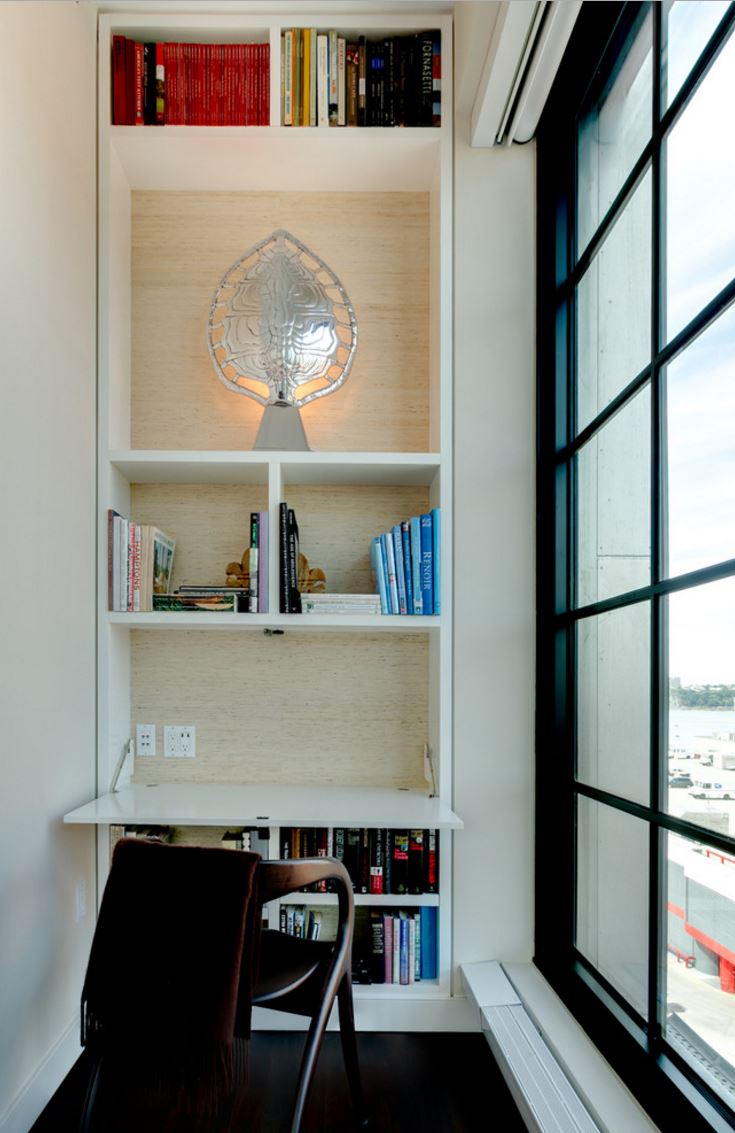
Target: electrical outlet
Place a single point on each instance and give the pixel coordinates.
(145, 739)
(179, 741)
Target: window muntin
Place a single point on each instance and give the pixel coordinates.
(700, 190)
(613, 309)
(700, 450)
(612, 898)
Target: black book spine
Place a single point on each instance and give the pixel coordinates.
(426, 88)
(377, 860)
(416, 861)
(294, 597)
(364, 862)
(389, 105)
(399, 863)
(388, 862)
(284, 596)
(377, 947)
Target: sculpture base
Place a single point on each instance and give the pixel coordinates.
(281, 429)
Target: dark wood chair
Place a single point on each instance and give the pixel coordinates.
(304, 977)
(278, 971)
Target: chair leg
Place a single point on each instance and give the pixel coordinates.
(314, 1037)
(349, 1048)
(86, 1120)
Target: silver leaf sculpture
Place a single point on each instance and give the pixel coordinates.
(282, 331)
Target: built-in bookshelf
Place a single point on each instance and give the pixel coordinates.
(318, 720)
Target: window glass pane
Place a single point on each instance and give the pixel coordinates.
(687, 27)
(613, 493)
(699, 1020)
(612, 897)
(613, 129)
(700, 421)
(701, 739)
(700, 188)
(614, 309)
(613, 701)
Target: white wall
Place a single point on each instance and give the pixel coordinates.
(47, 303)
(494, 448)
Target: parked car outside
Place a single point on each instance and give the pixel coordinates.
(680, 781)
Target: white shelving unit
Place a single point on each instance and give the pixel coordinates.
(325, 722)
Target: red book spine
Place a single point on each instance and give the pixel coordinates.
(129, 82)
(240, 86)
(138, 119)
(251, 110)
(266, 116)
(170, 83)
(118, 80)
(227, 84)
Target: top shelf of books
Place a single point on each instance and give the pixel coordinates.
(234, 72)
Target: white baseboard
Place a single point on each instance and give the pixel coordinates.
(42, 1084)
(517, 1008)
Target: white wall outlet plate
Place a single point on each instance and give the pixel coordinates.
(179, 741)
(145, 739)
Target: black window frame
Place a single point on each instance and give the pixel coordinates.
(665, 1084)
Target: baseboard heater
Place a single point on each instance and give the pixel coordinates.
(544, 1095)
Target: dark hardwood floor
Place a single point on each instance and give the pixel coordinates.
(414, 1083)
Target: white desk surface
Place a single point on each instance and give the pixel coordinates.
(229, 804)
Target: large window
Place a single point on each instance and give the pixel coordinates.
(636, 592)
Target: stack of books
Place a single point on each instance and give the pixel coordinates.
(329, 80)
(340, 604)
(192, 84)
(140, 563)
(207, 599)
(379, 861)
(395, 946)
(406, 565)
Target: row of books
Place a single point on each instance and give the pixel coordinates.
(196, 84)
(301, 921)
(395, 946)
(255, 838)
(140, 563)
(329, 80)
(206, 599)
(379, 861)
(406, 565)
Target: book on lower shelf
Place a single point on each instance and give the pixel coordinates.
(140, 563)
(405, 564)
(380, 861)
(395, 946)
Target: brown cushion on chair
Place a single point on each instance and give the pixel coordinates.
(168, 983)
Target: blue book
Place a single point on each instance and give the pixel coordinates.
(378, 570)
(406, 538)
(436, 521)
(400, 572)
(427, 565)
(429, 965)
(415, 530)
(403, 948)
(390, 570)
